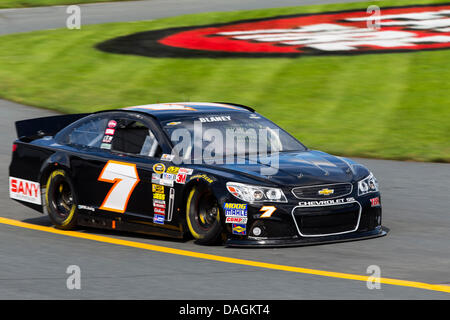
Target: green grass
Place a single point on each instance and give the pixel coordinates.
(393, 106)
(38, 3)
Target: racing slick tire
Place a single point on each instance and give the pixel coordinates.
(60, 200)
(203, 216)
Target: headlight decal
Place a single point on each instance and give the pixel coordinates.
(368, 185)
(249, 193)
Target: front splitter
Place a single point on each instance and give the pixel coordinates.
(297, 242)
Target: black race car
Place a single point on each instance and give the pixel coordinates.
(213, 171)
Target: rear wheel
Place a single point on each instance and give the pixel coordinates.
(203, 216)
(60, 200)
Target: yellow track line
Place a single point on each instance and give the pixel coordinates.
(192, 254)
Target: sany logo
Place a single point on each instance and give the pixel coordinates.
(396, 29)
(24, 190)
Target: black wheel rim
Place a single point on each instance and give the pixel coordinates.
(206, 211)
(62, 199)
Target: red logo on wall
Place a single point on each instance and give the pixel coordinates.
(350, 32)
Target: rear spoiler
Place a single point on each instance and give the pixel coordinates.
(46, 126)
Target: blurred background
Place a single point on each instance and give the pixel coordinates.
(382, 105)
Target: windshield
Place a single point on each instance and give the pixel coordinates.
(224, 135)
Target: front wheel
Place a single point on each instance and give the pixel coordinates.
(203, 216)
(60, 200)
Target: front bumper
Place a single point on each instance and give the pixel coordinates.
(298, 223)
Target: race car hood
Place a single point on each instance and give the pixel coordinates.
(299, 168)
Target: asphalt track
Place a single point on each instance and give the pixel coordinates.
(34, 257)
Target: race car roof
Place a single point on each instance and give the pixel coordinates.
(164, 111)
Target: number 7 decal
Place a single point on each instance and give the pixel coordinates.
(125, 178)
(268, 211)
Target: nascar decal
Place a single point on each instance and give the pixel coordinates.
(24, 190)
(235, 213)
(406, 28)
(159, 168)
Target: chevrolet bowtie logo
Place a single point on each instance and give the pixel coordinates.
(326, 192)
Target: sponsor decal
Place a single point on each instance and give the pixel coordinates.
(24, 190)
(203, 177)
(325, 202)
(157, 188)
(239, 229)
(159, 204)
(173, 123)
(110, 131)
(215, 119)
(169, 176)
(173, 170)
(237, 206)
(165, 182)
(157, 218)
(159, 196)
(160, 211)
(326, 192)
(105, 146)
(399, 29)
(181, 178)
(83, 207)
(185, 170)
(235, 213)
(375, 202)
(112, 124)
(107, 139)
(238, 220)
(167, 157)
(156, 177)
(159, 168)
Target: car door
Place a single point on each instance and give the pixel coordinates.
(132, 151)
(134, 170)
(113, 158)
